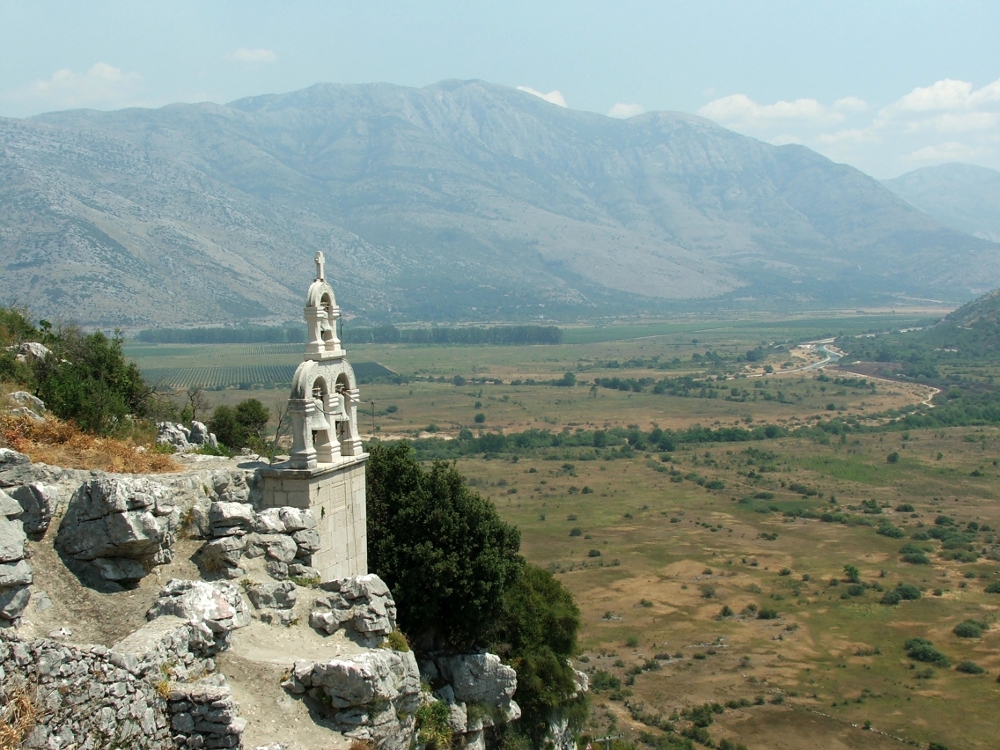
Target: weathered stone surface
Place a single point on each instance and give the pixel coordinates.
(361, 603)
(273, 595)
(120, 568)
(285, 520)
(200, 436)
(218, 604)
(297, 570)
(170, 433)
(13, 601)
(39, 503)
(307, 541)
(120, 517)
(278, 547)
(478, 678)
(12, 539)
(228, 549)
(228, 518)
(15, 574)
(30, 351)
(82, 698)
(163, 645)
(15, 468)
(9, 507)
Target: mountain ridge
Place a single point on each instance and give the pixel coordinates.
(460, 200)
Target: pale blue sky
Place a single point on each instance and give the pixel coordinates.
(884, 86)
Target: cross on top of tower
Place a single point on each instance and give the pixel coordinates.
(320, 266)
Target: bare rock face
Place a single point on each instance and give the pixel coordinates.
(15, 573)
(373, 695)
(15, 468)
(478, 678)
(184, 439)
(120, 518)
(39, 503)
(219, 605)
(26, 404)
(360, 603)
(273, 595)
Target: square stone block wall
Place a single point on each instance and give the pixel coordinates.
(337, 497)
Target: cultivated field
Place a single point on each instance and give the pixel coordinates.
(673, 557)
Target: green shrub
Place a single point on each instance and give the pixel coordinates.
(88, 380)
(920, 649)
(891, 598)
(969, 667)
(433, 727)
(767, 614)
(969, 629)
(241, 426)
(904, 508)
(993, 588)
(908, 591)
(885, 528)
(853, 573)
(594, 553)
(536, 632)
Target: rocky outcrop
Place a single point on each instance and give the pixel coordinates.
(16, 574)
(372, 695)
(218, 605)
(25, 404)
(15, 468)
(30, 352)
(123, 525)
(285, 537)
(39, 503)
(361, 604)
(83, 698)
(184, 439)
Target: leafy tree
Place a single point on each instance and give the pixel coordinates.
(536, 632)
(442, 549)
(853, 573)
(920, 649)
(241, 426)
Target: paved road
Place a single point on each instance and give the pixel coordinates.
(831, 357)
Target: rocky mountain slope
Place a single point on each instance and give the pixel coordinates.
(458, 200)
(961, 196)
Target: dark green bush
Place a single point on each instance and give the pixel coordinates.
(536, 633)
(891, 598)
(969, 629)
(920, 649)
(242, 426)
(442, 549)
(993, 588)
(908, 591)
(969, 667)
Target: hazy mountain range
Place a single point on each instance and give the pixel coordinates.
(962, 196)
(460, 200)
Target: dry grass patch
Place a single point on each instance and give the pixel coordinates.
(59, 443)
(18, 715)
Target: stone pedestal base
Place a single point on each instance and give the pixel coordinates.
(336, 494)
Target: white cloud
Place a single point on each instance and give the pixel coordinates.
(740, 109)
(951, 151)
(624, 111)
(252, 55)
(553, 97)
(850, 104)
(101, 85)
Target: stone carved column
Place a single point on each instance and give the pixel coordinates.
(354, 447)
(303, 454)
(313, 316)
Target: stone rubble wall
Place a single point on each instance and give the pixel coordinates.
(16, 573)
(204, 714)
(84, 700)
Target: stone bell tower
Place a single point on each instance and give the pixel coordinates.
(326, 470)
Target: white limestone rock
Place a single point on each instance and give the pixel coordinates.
(120, 517)
(218, 604)
(360, 603)
(15, 574)
(30, 351)
(9, 507)
(273, 595)
(229, 518)
(12, 539)
(171, 433)
(478, 678)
